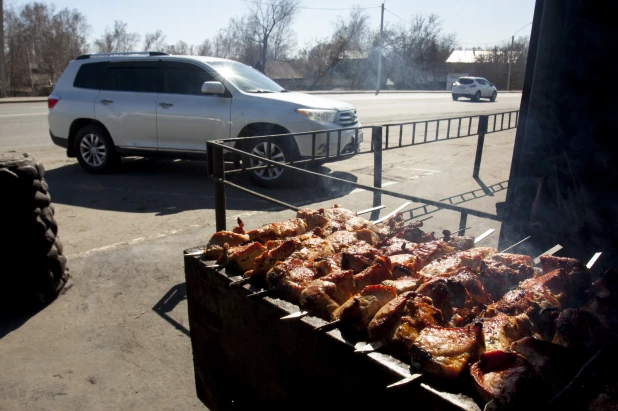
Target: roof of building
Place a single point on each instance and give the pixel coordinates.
(466, 56)
(282, 70)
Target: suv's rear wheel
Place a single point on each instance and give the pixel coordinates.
(283, 150)
(477, 96)
(95, 150)
(493, 96)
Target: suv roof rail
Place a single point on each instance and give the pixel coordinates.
(131, 53)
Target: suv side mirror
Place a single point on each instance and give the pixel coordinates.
(212, 87)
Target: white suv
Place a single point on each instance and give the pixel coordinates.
(106, 106)
(474, 88)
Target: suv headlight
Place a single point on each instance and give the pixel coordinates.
(327, 116)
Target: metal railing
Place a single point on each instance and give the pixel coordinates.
(380, 141)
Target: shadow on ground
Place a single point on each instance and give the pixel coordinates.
(167, 187)
(170, 300)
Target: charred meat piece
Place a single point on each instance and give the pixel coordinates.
(227, 237)
(460, 297)
(446, 352)
(359, 310)
(396, 246)
(368, 236)
(358, 257)
(342, 239)
(240, 259)
(501, 272)
(580, 330)
(273, 231)
(430, 251)
(504, 377)
(460, 243)
(579, 278)
(264, 262)
(412, 232)
(313, 218)
(404, 265)
(603, 299)
(391, 225)
(378, 271)
(401, 320)
(449, 265)
(324, 295)
(315, 249)
(501, 331)
(290, 277)
(338, 213)
(402, 284)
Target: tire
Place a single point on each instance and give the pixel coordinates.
(477, 96)
(455, 98)
(95, 150)
(493, 96)
(283, 150)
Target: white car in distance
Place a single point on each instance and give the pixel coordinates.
(106, 106)
(474, 88)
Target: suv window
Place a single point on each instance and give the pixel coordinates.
(184, 78)
(91, 75)
(481, 82)
(465, 81)
(140, 76)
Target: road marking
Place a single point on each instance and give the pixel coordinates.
(23, 115)
(388, 183)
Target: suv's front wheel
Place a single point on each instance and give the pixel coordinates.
(95, 150)
(283, 150)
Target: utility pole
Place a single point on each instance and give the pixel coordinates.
(2, 69)
(380, 50)
(508, 80)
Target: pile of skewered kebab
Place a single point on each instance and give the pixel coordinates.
(516, 331)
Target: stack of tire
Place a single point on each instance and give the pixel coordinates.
(32, 269)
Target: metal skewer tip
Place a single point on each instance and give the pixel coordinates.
(483, 236)
(215, 266)
(425, 219)
(593, 260)
(329, 326)
(369, 347)
(368, 210)
(551, 251)
(240, 282)
(514, 245)
(193, 253)
(392, 213)
(297, 314)
(405, 381)
(259, 294)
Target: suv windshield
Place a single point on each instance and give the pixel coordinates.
(246, 78)
(465, 81)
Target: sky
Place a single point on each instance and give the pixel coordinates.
(477, 23)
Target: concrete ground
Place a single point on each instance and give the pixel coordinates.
(118, 338)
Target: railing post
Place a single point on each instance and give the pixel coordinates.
(463, 221)
(218, 174)
(483, 122)
(376, 144)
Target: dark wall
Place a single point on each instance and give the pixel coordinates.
(564, 180)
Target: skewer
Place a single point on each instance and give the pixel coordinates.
(370, 347)
(329, 326)
(297, 314)
(392, 213)
(515, 245)
(195, 253)
(551, 251)
(261, 293)
(593, 260)
(483, 236)
(240, 282)
(368, 210)
(405, 380)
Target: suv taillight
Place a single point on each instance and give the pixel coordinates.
(52, 101)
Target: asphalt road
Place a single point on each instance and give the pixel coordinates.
(24, 125)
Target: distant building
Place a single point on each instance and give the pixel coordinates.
(286, 73)
(467, 56)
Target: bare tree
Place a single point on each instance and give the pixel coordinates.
(204, 49)
(266, 18)
(154, 41)
(180, 48)
(118, 40)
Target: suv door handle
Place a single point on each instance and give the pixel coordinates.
(106, 101)
(166, 105)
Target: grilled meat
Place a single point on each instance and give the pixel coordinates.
(273, 231)
(359, 310)
(460, 297)
(264, 262)
(504, 377)
(412, 232)
(460, 243)
(241, 258)
(404, 265)
(450, 264)
(501, 331)
(391, 225)
(378, 271)
(501, 272)
(580, 330)
(401, 320)
(227, 237)
(338, 213)
(402, 284)
(430, 251)
(324, 295)
(395, 246)
(358, 257)
(603, 302)
(342, 239)
(578, 279)
(290, 277)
